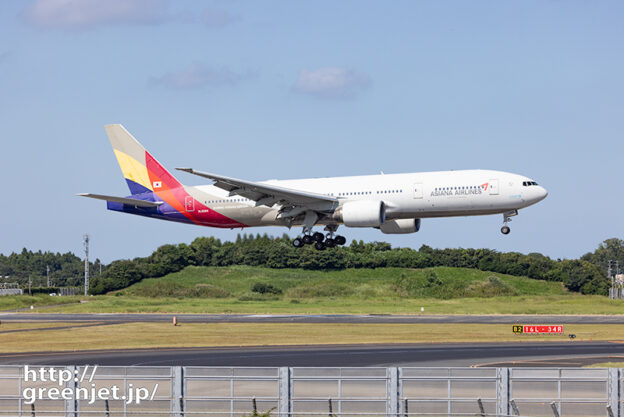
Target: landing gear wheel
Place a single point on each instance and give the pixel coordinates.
(308, 239)
(506, 219)
(340, 240)
(298, 242)
(330, 243)
(319, 246)
(318, 236)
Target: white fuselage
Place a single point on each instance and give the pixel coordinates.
(405, 196)
(394, 203)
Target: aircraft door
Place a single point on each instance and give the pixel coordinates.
(493, 187)
(189, 203)
(418, 190)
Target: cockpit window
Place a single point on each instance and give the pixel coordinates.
(528, 183)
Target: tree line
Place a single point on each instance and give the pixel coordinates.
(65, 269)
(586, 275)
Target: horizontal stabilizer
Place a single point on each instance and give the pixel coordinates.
(123, 200)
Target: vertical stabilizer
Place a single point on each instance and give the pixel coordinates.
(143, 173)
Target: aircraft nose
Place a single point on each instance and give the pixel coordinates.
(542, 193)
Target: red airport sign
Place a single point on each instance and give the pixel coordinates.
(538, 329)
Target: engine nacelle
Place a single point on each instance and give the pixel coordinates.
(400, 226)
(365, 213)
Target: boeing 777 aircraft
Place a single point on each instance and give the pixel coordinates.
(393, 203)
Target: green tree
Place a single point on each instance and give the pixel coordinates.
(611, 249)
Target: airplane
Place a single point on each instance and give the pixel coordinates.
(392, 203)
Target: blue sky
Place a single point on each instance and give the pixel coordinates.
(282, 89)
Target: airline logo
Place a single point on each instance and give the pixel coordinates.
(485, 186)
(455, 191)
(157, 184)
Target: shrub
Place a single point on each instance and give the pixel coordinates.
(433, 280)
(263, 288)
(493, 287)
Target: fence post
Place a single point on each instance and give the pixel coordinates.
(392, 389)
(502, 391)
(177, 402)
(284, 390)
(613, 391)
(71, 406)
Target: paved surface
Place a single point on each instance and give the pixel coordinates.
(329, 318)
(43, 329)
(482, 354)
(557, 354)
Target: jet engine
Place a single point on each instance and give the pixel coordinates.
(364, 213)
(400, 226)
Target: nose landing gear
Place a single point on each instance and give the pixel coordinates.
(506, 219)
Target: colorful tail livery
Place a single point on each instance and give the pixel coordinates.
(155, 192)
(142, 171)
(393, 203)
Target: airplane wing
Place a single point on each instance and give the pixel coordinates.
(123, 200)
(264, 194)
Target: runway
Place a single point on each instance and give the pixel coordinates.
(557, 354)
(310, 318)
(551, 354)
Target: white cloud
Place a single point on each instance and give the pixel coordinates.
(199, 75)
(86, 14)
(331, 83)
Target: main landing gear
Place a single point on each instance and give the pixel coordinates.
(320, 241)
(506, 219)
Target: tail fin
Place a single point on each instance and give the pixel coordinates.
(143, 173)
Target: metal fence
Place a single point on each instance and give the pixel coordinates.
(306, 392)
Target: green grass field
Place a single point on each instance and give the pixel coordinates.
(438, 290)
(18, 302)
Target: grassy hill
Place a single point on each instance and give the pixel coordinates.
(294, 284)
(439, 290)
